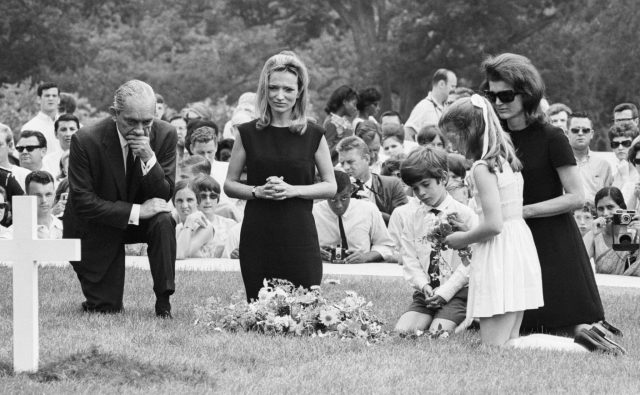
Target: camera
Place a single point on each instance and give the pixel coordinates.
(338, 254)
(624, 238)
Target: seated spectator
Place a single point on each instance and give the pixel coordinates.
(392, 141)
(368, 106)
(440, 296)
(32, 147)
(371, 133)
(631, 188)
(584, 217)
(192, 166)
(621, 135)
(181, 128)
(184, 200)
(456, 185)
(224, 150)
(354, 225)
(391, 118)
(60, 201)
(595, 172)
(5, 215)
(11, 188)
(40, 184)
(386, 192)
(243, 113)
(203, 233)
(600, 241)
(341, 110)
(559, 114)
(431, 136)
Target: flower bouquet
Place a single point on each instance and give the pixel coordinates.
(438, 267)
(282, 309)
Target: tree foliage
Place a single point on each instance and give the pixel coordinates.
(191, 50)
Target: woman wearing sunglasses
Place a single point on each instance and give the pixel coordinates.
(621, 135)
(571, 297)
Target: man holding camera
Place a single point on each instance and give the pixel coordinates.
(351, 230)
(121, 175)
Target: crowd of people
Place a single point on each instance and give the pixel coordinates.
(283, 192)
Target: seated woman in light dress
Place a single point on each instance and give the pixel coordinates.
(203, 233)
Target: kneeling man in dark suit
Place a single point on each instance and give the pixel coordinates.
(121, 175)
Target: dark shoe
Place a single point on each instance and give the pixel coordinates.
(594, 340)
(163, 307)
(611, 328)
(89, 309)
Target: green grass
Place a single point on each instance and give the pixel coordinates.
(136, 353)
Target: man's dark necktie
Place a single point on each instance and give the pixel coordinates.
(343, 235)
(434, 267)
(359, 186)
(130, 167)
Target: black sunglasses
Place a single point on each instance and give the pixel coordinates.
(504, 96)
(29, 148)
(4, 205)
(583, 130)
(625, 144)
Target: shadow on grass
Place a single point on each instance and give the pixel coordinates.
(112, 368)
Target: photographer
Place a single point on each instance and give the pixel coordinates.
(604, 241)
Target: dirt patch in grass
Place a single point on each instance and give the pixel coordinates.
(117, 370)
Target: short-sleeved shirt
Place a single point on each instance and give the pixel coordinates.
(596, 174)
(426, 112)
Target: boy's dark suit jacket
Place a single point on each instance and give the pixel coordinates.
(100, 200)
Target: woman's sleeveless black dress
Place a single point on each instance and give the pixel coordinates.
(278, 238)
(570, 292)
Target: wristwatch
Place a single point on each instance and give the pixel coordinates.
(253, 192)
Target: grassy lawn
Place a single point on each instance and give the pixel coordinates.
(137, 353)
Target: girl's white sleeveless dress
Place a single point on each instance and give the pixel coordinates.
(505, 271)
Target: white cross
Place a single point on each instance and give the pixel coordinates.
(24, 251)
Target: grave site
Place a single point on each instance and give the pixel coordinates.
(50, 346)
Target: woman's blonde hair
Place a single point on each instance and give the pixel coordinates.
(467, 116)
(289, 62)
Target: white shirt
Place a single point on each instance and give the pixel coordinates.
(219, 173)
(53, 231)
(233, 238)
(134, 216)
(416, 250)
(426, 112)
(45, 125)
(401, 216)
(363, 227)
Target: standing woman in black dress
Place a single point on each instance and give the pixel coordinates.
(570, 292)
(281, 151)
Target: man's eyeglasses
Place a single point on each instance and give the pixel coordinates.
(4, 205)
(505, 96)
(620, 120)
(625, 144)
(29, 148)
(583, 130)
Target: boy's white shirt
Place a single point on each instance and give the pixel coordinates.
(416, 250)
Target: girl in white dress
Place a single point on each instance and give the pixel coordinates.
(505, 274)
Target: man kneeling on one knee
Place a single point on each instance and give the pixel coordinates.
(351, 230)
(121, 175)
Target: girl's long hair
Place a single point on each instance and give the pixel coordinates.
(284, 61)
(465, 117)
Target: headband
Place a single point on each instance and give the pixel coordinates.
(479, 101)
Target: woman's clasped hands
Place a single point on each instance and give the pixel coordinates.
(276, 189)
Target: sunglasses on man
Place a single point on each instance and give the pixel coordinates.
(29, 148)
(4, 205)
(583, 130)
(505, 96)
(625, 144)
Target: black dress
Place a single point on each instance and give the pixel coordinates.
(278, 238)
(570, 292)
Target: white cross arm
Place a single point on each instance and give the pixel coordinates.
(40, 250)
